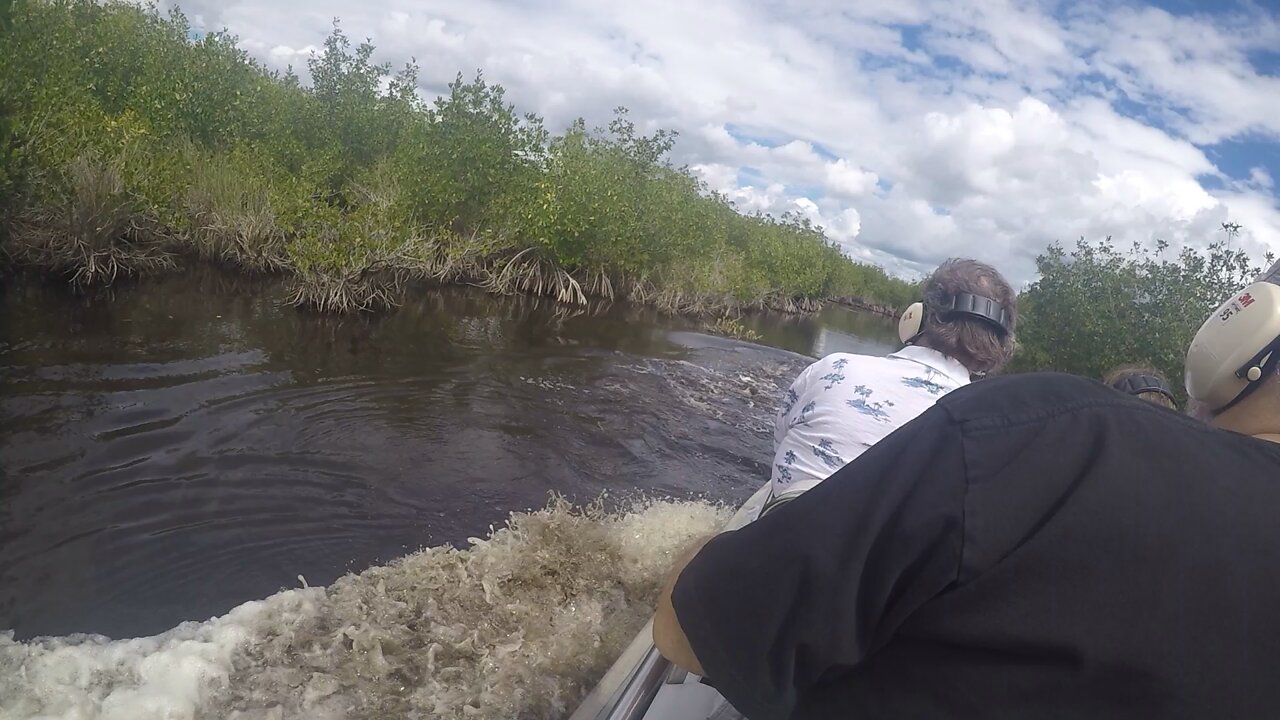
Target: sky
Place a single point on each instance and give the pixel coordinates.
(912, 130)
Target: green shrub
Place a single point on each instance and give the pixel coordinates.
(354, 185)
(95, 230)
(1097, 308)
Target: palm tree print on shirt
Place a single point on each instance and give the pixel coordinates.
(803, 418)
(826, 451)
(790, 402)
(863, 405)
(784, 471)
(835, 377)
(925, 383)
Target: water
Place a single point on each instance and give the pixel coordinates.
(191, 445)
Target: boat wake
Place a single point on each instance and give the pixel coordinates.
(518, 625)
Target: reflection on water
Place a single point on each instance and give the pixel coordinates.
(192, 444)
(834, 329)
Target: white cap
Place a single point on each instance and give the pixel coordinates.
(1232, 347)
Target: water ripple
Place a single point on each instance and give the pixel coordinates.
(171, 467)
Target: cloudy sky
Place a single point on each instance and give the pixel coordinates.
(913, 130)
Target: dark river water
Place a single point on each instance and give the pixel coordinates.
(190, 444)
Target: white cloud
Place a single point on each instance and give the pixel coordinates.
(1259, 177)
(1196, 68)
(911, 129)
(846, 182)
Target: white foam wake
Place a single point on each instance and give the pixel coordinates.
(519, 625)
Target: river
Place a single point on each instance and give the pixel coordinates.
(189, 444)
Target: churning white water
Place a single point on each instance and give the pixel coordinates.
(519, 625)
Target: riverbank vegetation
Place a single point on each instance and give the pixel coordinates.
(134, 145)
(131, 145)
(1098, 307)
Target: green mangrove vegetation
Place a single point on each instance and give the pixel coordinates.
(1098, 307)
(131, 144)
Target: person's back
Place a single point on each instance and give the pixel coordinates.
(1117, 561)
(1034, 546)
(843, 404)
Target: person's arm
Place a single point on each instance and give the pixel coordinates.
(667, 635)
(767, 611)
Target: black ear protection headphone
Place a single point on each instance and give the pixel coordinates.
(967, 304)
(1138, 384)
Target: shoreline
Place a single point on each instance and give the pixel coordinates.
(861, 305)
(379, 290)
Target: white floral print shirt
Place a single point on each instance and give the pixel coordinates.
(843, 404)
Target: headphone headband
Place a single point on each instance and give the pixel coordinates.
(1258, 367)
(1138, 384)
(981, 307)
(976, 306)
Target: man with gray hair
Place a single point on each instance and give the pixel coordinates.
(844, 403)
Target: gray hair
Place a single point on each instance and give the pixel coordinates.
(1116, 379)
(978, 345)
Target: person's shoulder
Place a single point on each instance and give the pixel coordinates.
(842, 357)
(842, 360)
(1026, 396)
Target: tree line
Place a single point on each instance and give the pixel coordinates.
(133, 143)
(128, 145)
(1098, 306)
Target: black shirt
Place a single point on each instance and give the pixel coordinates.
(1033, 546)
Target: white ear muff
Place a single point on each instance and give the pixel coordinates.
(1232, 348)
(910, 322)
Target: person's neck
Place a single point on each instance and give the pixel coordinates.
(1253, 417)
(923, 343)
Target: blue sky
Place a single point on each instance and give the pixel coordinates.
(913, 130)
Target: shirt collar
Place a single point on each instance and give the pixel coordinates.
(933, 359)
